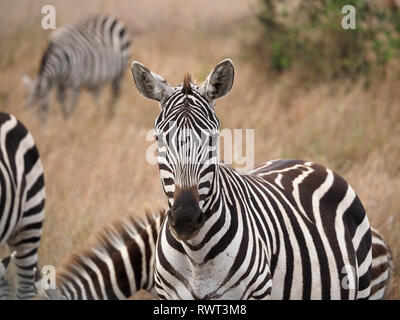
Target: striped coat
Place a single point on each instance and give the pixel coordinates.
(263, 239)
(115, 265)
(22, 199)
(121, 261)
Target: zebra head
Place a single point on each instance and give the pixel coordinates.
(187, 131)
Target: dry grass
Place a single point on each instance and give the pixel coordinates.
(96, 169)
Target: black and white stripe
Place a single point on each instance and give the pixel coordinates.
(118, 264)
(289, 229)
(382, 266)
(121, 261)
(90, 54)
(22, 199)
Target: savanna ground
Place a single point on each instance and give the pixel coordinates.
(96, 169)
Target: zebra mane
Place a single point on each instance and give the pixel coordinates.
(187, 79)
(107, 242)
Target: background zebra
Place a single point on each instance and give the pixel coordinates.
(118, 264)
(22, 199)
(289, 229)
(89, 54)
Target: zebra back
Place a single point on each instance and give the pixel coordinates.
(116, 265)
(108, 31)
(89, 44)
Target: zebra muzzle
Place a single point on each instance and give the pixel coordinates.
(185, 217)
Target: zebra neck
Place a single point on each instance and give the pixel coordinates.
(236, 190)
(50, 73)
(227, 212)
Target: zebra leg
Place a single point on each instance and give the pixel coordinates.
(44, 109)
(96, 95)
(26, 263)
(73, 101)
(5, 289)
(62, 99)
(68, 104)
(115, 93)
(26, 243)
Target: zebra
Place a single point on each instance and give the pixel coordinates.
(90, 54)
(121, 261)
(22, 200)
(288, 229)
(117, 264)
(382, 266)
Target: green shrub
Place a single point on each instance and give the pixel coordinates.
(310, 37)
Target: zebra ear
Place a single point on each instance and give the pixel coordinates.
(150, 84)
(219, 82)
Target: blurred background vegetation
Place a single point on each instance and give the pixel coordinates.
(308, 36)
(309, 89)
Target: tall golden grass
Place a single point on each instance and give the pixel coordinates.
(96, 169)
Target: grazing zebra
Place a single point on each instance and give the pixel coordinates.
(118, 264)
(122, 259)
(22, 198)
(289, 229)
(90, 54)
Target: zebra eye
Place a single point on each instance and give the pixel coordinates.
(160, 139)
